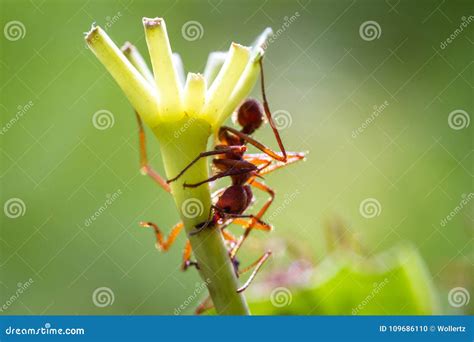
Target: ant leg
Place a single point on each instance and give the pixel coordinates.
(253, 218)
(187, 257)
(250, 140)
(161, 243)
(265, 162)
(259, 225)
(200, 227)
(234, 218)
(145, 168)
(272, 167)
(205, 305)
(232, 172)
(228, 236)
(257, 264)
(268, 113)
(275, 155)
(237, 216)
(165, 245)
(208, 154)
(257, 217)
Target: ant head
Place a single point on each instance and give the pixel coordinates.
(250, 116)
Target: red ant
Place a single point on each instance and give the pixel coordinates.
(231, 161)
(242, 168)
(162, 242)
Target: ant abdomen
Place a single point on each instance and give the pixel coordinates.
(235, 199)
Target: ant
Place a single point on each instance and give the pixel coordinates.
(250, 117)
(164, 243)
(232, 162)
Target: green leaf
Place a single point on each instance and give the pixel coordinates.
(395, 282)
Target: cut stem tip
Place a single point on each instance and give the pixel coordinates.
(152, 22)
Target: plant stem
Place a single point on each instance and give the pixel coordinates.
(180, 143)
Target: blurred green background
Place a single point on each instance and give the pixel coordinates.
(321, 75)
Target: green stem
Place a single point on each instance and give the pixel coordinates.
(180, 143)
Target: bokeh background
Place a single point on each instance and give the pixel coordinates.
(323, 78)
